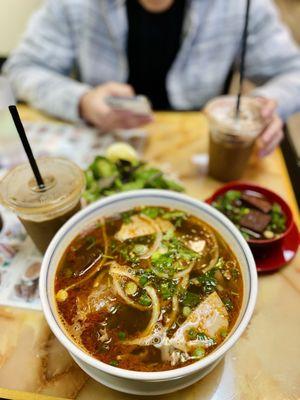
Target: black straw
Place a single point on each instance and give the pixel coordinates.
(243, 58)
(21, 131)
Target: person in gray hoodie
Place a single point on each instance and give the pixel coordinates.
(179, 53)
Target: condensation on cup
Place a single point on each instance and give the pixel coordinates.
(43, 211)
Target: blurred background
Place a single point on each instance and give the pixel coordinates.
(14, 15)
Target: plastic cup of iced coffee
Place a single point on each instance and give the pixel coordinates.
(232, 139)
(43, 211)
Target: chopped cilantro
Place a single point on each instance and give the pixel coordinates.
(176, 217)
(152, 212)
(143, 280)
(191, 299)
(162, 265)
(145, 300)
(207, 281)
(126, 216)
(167, 290)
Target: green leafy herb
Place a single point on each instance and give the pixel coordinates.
(143, 280)
(114, 363)
(105, 177)
(162, 265)
(191, 299)
(126, 216)
(145, 300)
(207, 281)
(122, 335)
(103, 168)
(278, 221)
(151, 212)
(167, 290)
(176, 217)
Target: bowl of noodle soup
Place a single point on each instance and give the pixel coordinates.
(148, 290)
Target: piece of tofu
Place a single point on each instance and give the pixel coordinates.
(210, 317)
(139, 226)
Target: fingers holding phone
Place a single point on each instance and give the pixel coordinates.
(112, 114)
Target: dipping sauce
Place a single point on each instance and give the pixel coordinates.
(150, 289)
(43, 212)
(232, 140)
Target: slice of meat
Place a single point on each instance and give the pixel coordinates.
(256, 221)
(164, 225)
(196, 245)
(141, 226)
(210, 317)
(258, 202)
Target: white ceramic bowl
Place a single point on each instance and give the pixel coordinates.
(147, 383)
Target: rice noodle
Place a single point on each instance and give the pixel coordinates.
(119, 290)
(155, 310)
(185, 281)
(174, 312)
(157, 240)
(214, 252)
(96, 265)
(122, 271)
(154, 330)
(101, 275)
(185, 272)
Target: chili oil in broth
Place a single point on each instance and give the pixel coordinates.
(138, 290)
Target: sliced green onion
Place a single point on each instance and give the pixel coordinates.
(186, 311)
(143, 280)
(223, 333)
(145, 300)
(140, 249)
(199, 352)
(131, 288)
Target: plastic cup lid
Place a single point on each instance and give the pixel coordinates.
(64, 182)
(221, 112)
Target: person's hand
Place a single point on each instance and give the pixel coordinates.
(94, 110)
(273, 133)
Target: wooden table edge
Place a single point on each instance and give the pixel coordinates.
(21, 395)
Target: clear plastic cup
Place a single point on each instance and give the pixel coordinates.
(43, 212)
(232, 140)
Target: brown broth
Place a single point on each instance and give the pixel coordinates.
(104, 324)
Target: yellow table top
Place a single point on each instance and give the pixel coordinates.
(263, 365)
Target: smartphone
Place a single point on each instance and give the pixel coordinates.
(138, 105)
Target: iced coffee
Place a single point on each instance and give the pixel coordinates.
(232, 139)
(43, 211)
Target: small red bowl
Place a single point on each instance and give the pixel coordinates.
(269, 195)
